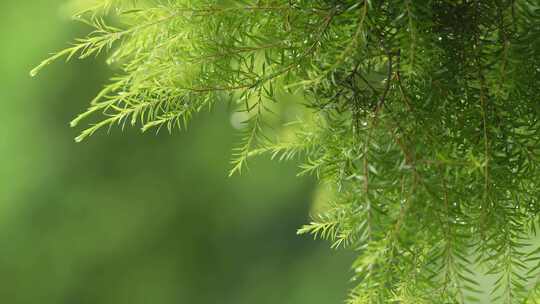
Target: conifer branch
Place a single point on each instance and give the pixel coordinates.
(422, 120)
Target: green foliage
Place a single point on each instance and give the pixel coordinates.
(422, 117)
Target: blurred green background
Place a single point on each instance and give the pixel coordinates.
(131, 218)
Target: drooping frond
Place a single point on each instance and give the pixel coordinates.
(421, 117)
